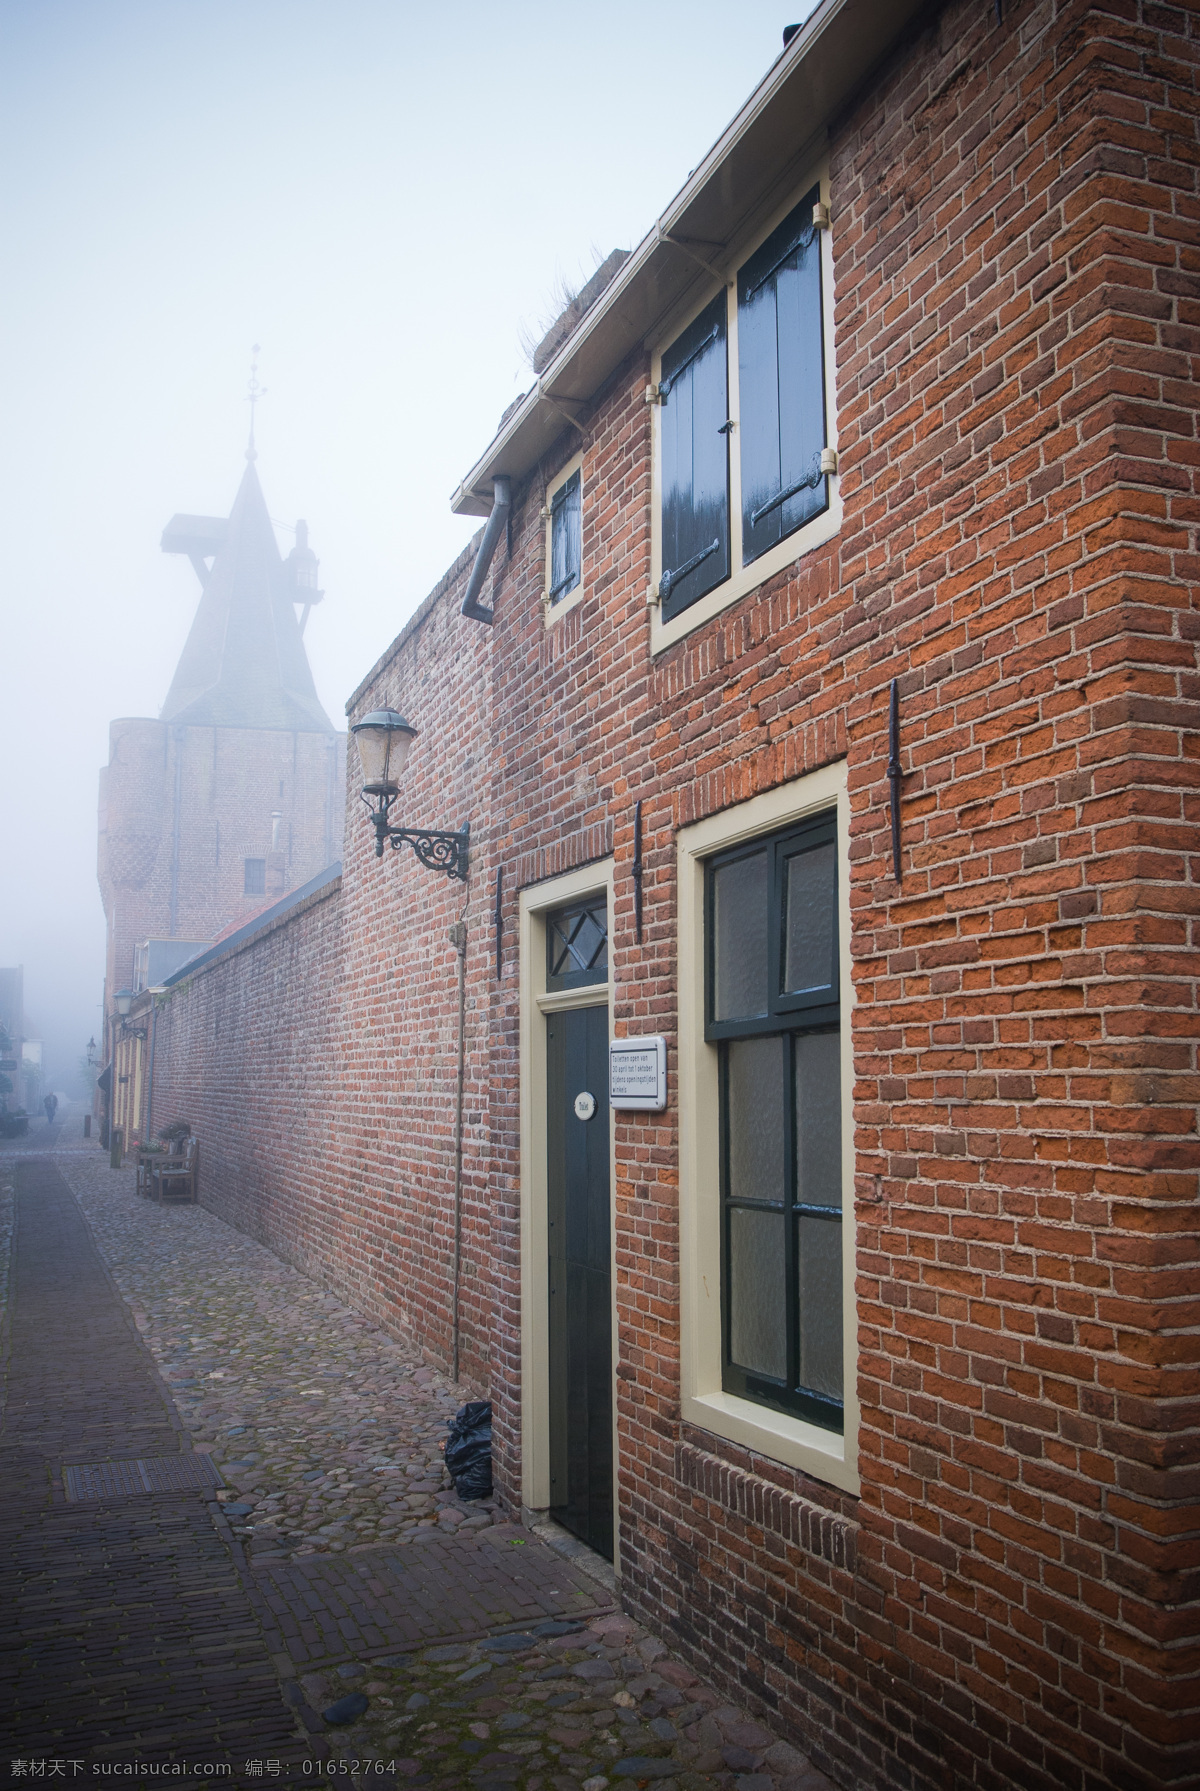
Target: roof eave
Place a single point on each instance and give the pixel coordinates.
(829, 58)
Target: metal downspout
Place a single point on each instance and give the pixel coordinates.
(501, 510)
(459, 935)
(150, 1071)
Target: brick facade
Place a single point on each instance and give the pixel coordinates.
(1010, 1598)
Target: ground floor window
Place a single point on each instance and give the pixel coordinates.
(768, 1322)
(773, 1011)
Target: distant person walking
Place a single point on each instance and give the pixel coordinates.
(51, 1105)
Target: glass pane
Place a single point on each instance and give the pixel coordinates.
(740, 930)
(819, 1119)
(820, 1262)
(757, 1339)
(811, 898)
(577, 945)
(754, 1118)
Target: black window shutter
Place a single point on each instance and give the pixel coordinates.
(695, 462)
(781, 376)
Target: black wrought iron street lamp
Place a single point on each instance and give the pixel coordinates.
(124, 1000)
(383, 738)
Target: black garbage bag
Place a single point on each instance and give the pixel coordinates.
(469, 1450)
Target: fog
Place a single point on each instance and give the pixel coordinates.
(382, 195)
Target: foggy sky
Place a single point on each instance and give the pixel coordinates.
(380, 194)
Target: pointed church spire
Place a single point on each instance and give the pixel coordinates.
(244, 664)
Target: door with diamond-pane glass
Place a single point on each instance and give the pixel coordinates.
(579, 1232)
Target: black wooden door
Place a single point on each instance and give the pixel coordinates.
(580, 1227)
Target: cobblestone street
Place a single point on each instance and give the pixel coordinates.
(277, 1580)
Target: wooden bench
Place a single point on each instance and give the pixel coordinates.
(146, 1159)
(175, 1178)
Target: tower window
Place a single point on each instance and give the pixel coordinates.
(256, 876)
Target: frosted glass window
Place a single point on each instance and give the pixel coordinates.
(756, 1118)
(810, 909)
(740, 925)
(820, 1264)
(757, 1293)
(819, 1119)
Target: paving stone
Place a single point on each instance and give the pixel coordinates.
(347, 1708)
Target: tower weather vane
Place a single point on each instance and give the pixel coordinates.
(253, 393)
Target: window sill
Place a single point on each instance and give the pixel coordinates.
(819, 1453)
(742, 581)
(554, 612)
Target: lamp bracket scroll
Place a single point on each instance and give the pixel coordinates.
(437, 848)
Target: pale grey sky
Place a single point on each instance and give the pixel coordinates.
(380, 194)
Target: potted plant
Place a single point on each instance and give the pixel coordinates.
(175, 1135)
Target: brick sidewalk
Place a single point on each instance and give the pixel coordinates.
(326, 1608)
(127, 1633)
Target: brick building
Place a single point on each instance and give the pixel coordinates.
(870, 1356)
(234, 795)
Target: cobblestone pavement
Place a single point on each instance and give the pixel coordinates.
(478, 1656)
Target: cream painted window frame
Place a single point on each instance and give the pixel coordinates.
(777, 1435)
(743, 579)
(554, 612)
(535, 903)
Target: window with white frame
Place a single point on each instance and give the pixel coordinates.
(768, 1320)
(742, 396)
(774, 1013)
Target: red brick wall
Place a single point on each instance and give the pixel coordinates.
(246, 1051)
(1011, 1600)
(318, 1063)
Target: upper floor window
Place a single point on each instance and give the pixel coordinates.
(744, 419)
(255, 876)
(564, 538)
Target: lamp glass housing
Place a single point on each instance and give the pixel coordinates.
(124, 1000)
(383, 738)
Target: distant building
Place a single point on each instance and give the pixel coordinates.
(12, 1026)
(235, 794)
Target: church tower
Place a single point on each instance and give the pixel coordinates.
(235, 795)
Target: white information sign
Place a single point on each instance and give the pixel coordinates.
(637, 1075)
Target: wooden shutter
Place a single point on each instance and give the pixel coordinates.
(565, 539)
(695, 462)
(781, 375)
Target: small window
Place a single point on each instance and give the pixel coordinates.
(577, 944)
(774, 1015)
(255, 876)
(566, 539)
(694, 397)
(781, 382)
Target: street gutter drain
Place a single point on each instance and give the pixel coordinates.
(161, 1473)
